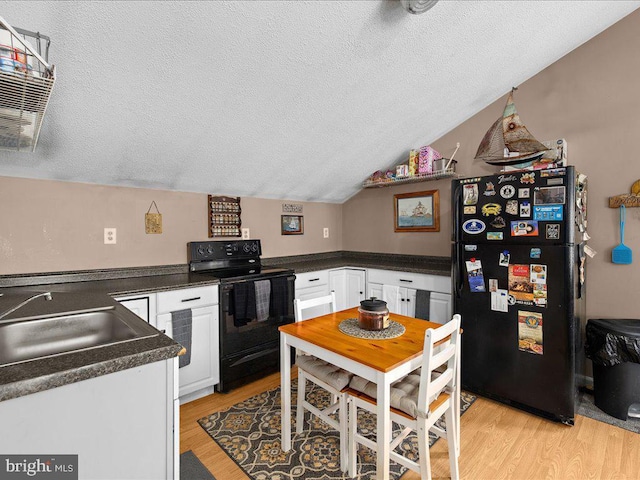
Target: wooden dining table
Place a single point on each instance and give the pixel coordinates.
(381, 361)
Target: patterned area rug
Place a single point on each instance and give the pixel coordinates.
(249, 432)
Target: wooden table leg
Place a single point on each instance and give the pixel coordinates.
(384, 427)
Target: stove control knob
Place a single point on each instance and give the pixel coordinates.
(246, 247)
(200, 250)
(254, 247)
(209, 249)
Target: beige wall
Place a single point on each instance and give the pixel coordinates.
(591, 98)
(48, 226)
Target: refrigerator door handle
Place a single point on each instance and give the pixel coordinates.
(457, 270)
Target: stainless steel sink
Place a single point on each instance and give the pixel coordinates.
(43, 337)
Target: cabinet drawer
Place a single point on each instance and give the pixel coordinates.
(311, 279)
(419, 281)
(187, 298)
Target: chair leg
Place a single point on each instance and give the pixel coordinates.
(352, 450)
(301, 396)
(344, 448)
(452, 441)
(424, 459)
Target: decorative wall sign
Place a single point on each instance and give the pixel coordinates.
(417, 212)
(153, 221)
(292, 207)
(292, 224)
(628, 199)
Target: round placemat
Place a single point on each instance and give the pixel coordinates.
(350, 327)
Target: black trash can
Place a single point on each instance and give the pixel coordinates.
(613, 345)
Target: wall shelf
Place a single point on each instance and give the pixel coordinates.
(425, 177)
(224, 216)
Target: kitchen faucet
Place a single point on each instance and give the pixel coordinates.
(46, 295)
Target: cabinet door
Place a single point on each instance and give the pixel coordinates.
(355, 287)
(440, 307)
(138, 305)
(204, 369)
(338, 285)
(393, 296)
(375, 290)
(410, 302)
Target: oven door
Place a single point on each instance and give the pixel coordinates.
(243, 336)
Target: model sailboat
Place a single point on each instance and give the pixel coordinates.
(508, 142)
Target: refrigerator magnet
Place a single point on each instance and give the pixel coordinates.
(535, 253)
(511, 207)
(552, 231)
(498, 222)
(493, 284)
(504, 259)
(548, 213)
(470, 194)
(524, 228)
(528, 178)
(490, 189)
(523, 193)
(475, 276)
(473, 226)
(549, 195)
(500, 301)
(507, 191)
(525, 209)
(470, 210)
(520, 286)
(530, 332)
(491, 209)
(495, 236)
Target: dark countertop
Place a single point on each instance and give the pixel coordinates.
(43, 374)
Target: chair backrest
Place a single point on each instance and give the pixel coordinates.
(301, 305)
(436, 356)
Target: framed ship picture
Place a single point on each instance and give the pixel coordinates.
(292, 225)
(417, 212)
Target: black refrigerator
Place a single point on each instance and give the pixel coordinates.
(518, 283)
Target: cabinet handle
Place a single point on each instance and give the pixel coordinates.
(407, 281)
(408, 299)
(163, 331)
(361, 293)
(190, 299)
(314, 279)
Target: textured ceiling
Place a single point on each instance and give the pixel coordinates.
(296, 100)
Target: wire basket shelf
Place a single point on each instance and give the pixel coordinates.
(26, 82)
(387, 182)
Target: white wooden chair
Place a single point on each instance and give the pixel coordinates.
(417, 402)
(325, 375)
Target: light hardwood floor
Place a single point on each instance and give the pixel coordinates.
(498, 442)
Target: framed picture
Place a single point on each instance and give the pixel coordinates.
(417, 212)
(292, 225)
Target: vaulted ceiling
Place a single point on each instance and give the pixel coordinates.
(288, 99)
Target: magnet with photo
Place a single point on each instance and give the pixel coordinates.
(524, 228)
(470, 210)
(549, 195)
(524, 193)
(525, 209)
(503, 261)
(470, 194)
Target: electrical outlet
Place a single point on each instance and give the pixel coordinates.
(325, 232)
(109, 236)
(245, 234)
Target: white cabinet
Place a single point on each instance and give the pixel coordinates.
(399, 289)
(120, 425)
(142, 305)
(203, 372)
(440, 307)
(313, 285)
(348, 285)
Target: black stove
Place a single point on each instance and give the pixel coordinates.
(236, 260)
(249, 336)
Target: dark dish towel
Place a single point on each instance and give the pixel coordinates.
(244, 299)
(263, 299)
(423, 299)
(279, 297)
(182, 326)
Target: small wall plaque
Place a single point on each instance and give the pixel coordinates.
(292, 207)
(153, 221)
